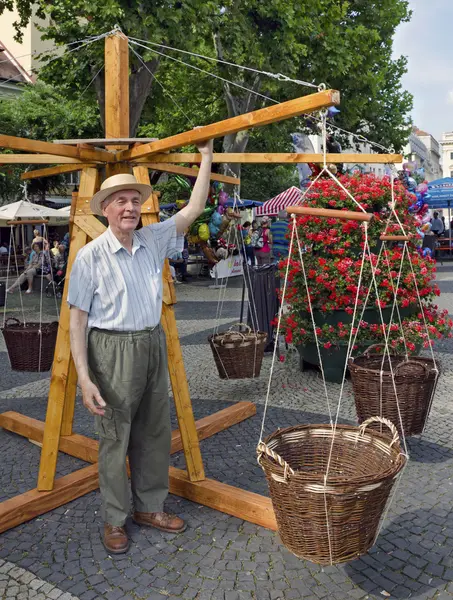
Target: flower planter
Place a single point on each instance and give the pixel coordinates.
(333, 358)
(371, 315)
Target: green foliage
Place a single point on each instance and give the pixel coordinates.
(43, 113)
(346, 44)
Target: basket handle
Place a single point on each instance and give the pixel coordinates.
(12, 320)
(249, 329)
(390, 425)
(367, 351)
(411, 362)
(263, 448)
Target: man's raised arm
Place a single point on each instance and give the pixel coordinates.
(187, 215)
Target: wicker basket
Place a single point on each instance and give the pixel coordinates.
(238, 355)
(374, 389)
(338, 520)
(30, 346)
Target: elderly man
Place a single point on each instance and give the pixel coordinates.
(115, 291)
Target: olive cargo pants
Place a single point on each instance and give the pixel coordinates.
(130, 370)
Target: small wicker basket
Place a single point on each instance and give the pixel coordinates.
(334, 520)
(30, 346)
(374, 384)
(238, 355)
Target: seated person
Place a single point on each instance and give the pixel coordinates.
(39, 263)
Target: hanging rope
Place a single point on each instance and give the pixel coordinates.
(278, 76)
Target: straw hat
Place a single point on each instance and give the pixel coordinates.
(116, 183)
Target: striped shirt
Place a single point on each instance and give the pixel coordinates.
(279, 229)
(122, 291)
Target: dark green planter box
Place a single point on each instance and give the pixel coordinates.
(333, 359)
(371, 315)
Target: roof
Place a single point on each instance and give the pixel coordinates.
(10, 69)
(420, 132)
(273, 206)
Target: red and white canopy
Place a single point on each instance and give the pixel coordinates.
(273, 206)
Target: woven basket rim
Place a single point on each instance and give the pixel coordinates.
(354, 365)
(256, 336)
(29, 325)
(399, 458)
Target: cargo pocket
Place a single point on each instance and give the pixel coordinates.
(106, 424)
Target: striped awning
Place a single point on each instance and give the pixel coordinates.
(273, 206)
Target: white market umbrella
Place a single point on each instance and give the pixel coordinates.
(26, 210)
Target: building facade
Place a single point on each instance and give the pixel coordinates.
(432, 164)
(447, 153)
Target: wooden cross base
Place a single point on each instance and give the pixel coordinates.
(220, 496)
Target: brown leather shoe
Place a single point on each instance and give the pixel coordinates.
(115, 539)
(160, 520)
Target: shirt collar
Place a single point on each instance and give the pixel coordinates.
(115, 245)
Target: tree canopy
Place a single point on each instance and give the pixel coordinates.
(42, 113)
(345, 44)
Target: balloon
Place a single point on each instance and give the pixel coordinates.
(426, 218)
(213, 229)
(203, 232)
(216, 218)
(422, 188)
(220, 210)
(427, 252)
(223, 198)
(411, 183)
(332, 111)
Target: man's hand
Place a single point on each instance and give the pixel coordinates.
(206, 148)
(92, 399)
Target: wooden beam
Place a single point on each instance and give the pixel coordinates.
(16, 143)
(27, 222)
(224, 498)
(37, 159)
(257, 118)
(123, 141)
(25, 507)
(86, 448)
(187, 171)
(219, 496)
(275, 157)
(58, 170)
(90, 225)
(60, 369)
(116, 89)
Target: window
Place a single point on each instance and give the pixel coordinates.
(451, 173)
(451, 155)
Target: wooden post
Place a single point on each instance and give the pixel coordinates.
(116, 92)
(71, 383)
(62, 359)
(176, 369)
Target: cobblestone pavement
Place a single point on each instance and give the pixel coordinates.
(59, 555)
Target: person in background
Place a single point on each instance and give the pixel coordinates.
(279, 231)
(263, 241)
(38, 264)
(246, 247)
(4, 249)
(55, 249)
(437, 226)
(66, 240)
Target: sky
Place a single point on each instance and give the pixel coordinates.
(427, 42)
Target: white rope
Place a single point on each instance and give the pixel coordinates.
(207, 73)
(310, 308)
(334, 428)
(175, 102)
(280, 314)
(278, 76)
(17, 273)
(387, 350)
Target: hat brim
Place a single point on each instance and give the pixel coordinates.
(96, 201)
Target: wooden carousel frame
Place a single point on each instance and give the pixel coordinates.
(120, 154)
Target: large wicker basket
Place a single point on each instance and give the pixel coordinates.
(238, 355)
(374, 388)
(337, 520)
(30, 346)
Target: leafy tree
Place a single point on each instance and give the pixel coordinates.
(43, 113)
(346, 44)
